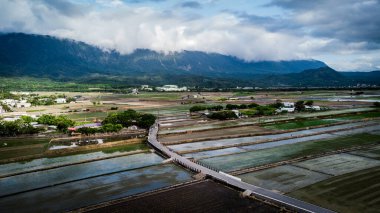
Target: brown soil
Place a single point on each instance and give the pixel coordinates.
(205, 196)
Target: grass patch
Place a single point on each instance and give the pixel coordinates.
(300, 124)
(13, 142)
(126, 148)
(352, 192)
(360, 116)
(32, 150)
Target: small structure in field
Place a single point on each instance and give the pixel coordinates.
(60, 100)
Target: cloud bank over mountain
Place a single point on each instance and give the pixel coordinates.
(343, 33)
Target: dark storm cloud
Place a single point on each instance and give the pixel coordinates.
(191, 4)
(346, 20)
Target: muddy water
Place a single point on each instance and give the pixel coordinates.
(95, 190)
(35, 180)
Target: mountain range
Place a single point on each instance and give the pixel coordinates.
(68, 60)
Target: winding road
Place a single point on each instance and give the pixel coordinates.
(259, 192)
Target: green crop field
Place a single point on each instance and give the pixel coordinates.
(352, 192)
(300, 124)
(286, 152)
(22, 141)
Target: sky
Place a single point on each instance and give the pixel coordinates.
(345, 34)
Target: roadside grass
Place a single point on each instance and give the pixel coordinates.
(360, 116)
(287, 152)
(13, 142)
(30, 150)
(300, 124)
(87, 115)
(126, 148)
(352, 192)
(155, 95)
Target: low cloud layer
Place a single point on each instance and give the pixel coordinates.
(322, 29)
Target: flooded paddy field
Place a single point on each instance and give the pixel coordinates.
(206, 196)
(45, 178)
(232, 162)
(372, 152)
(94, 190)
(353, 192)
(283, 178)
(282, 138)
(42, 163)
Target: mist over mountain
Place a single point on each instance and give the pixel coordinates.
(63, 59)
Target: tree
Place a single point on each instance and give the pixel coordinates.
(309, 103)
(252, 105)
(197, 108)
(146, 120)
(130, 117)
(223, 115)
(299, 106)
(278, 104)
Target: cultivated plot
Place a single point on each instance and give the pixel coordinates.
(283, 178)
(338, 164)
(353, 192)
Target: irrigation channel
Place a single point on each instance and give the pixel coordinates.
(290, 203)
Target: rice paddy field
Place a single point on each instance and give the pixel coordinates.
(283, 178)
(95, 190)
(231, 162)
(353, 192)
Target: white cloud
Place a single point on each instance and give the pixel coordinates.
(114, 25)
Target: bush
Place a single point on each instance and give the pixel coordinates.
(309, 103)
(278, 104)
(197, 108)
(223, 115)
(215, 108)
(376, 104)
(265, 110)
(18, 127)
(253, 105)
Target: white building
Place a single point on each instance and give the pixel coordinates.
(171, 88)
(10, 102)
(60, 100)
(317, 108)
(288, 104)
(2, 110)
(23, 104)
(286, 109)
(16, 103)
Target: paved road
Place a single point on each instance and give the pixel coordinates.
(289, 202)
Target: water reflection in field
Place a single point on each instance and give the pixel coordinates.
(95, 190)
(34, 180)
